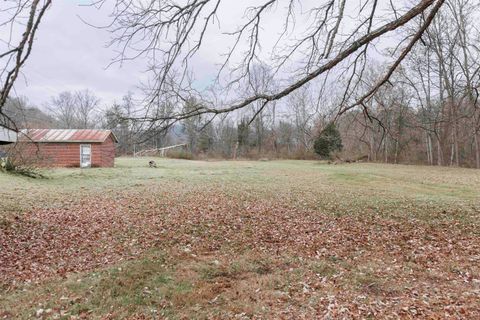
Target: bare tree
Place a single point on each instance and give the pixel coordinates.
(171, 33)
(305, 111)
(139, 26)
(22, 20)
(86, 103)
(75, 110)
(63, 108)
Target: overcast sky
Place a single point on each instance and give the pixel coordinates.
(70, 55)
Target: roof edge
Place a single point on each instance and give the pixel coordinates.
(115, 139)
(27, 135)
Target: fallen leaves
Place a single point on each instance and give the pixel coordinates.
(331, 260)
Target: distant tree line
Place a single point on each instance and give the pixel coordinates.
(429, 113)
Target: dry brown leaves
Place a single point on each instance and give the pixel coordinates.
(384, 268)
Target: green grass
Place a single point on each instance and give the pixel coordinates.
(139, 286)
(230, 276)
(131, 172)
(383, 182)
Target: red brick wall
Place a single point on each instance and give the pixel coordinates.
(68, 154)
(107, 153)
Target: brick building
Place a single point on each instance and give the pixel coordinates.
(70, 147)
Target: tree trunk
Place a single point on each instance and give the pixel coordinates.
(455, 131)
(429, 149)
(439, 152)
(385, 148)
(452, 153)
(477, 150)
(396, 152)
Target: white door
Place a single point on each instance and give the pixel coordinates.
(85, 155)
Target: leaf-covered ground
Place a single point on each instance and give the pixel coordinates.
(222, 240)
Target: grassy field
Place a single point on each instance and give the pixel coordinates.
(241, 240)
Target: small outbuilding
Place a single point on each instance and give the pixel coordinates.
(71, 147)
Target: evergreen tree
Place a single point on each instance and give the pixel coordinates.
(328, 141)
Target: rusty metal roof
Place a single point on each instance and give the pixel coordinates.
(66, 135)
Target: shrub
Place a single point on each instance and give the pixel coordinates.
(328, 141)
(18, 163)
